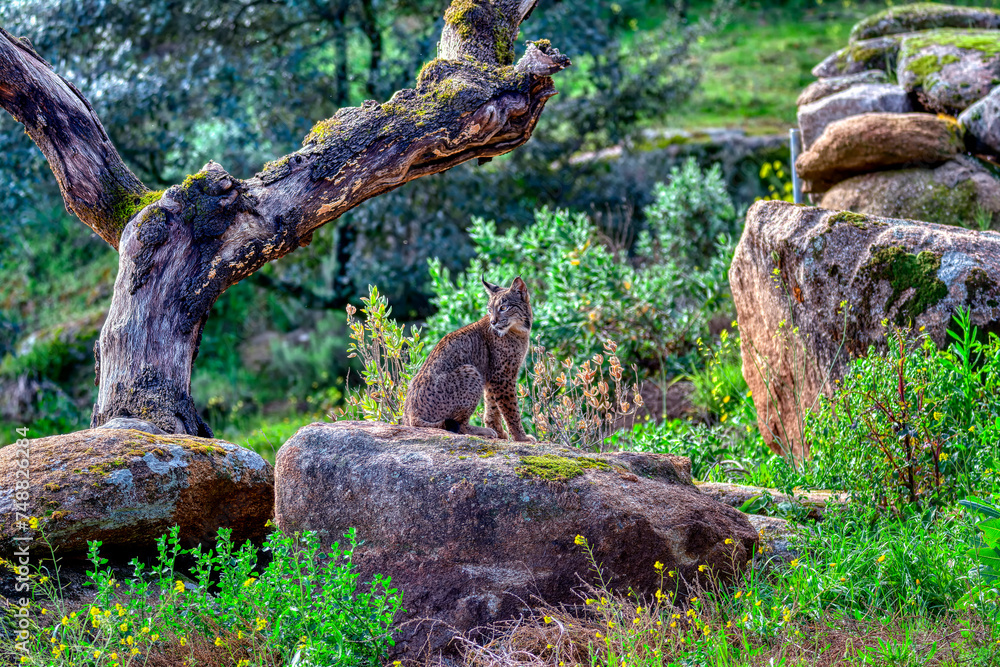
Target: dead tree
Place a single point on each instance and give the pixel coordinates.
(181, 248)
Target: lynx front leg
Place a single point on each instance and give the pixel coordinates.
(506, 399)
(492, 416)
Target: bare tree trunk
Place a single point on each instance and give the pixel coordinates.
(342, 83)
(180, 249)
(369, 26)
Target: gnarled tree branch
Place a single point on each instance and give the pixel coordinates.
(460, 110)
(96, 185)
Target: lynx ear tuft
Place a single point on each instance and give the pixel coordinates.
(520, 287)
(490, 287)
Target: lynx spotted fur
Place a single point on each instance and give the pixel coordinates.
(481, 358)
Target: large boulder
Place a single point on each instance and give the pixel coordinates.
(817, 90)
(950, 69)
(471, 530)
(874, 141)
(924, 16)
(879, 53)
(981, 122)
(126, 488)
(963, 192)
(854, 101)
(812, 288)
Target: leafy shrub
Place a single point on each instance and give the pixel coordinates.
(718, 452)
(987, 553)
(915, 424)
(687, 218)
(720, 390)
(389, 359)
(303, 606)
(584, 293)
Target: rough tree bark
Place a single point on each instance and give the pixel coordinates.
(181, 248)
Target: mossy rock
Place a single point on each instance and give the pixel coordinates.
(873, 141)
(466, 537)
(870, 54)
(981, 123)
(558, 468)
(912, 274)
(125, 488)
(924, 16)
(843, 279)
(961, 192)
(950, 69)
(859, 99)
(833, 85)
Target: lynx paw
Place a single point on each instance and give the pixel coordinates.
(481, 431)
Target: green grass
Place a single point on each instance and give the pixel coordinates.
(860, 589)
(266, 434)
(756, 67)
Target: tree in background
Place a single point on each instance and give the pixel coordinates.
(180, 249)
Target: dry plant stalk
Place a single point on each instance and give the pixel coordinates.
(578, 407)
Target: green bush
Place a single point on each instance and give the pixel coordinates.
(584, 292)
(716, 452)
(388, 357)
(987, 552)
(913, 424)
(302, 605)
(687, 218)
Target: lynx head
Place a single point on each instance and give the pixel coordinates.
(509, 308)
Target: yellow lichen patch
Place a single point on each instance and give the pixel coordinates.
(157, 443)
(107, 467)
(189, 181)
(322, 130)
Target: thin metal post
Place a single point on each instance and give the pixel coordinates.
(795, 142)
